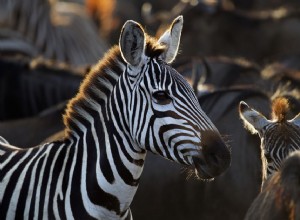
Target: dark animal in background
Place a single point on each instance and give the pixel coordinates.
(31, 131)
(280, 196)
(55, 30)
(29, 86)
(220, 28)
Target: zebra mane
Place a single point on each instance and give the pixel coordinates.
(103, 77)
(280, 108)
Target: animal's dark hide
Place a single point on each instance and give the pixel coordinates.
(27, 87)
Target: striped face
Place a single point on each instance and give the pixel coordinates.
(278, 141)
(168, 119)
(164, 114)
(278, 138)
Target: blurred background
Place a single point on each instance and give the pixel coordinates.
(231, 50)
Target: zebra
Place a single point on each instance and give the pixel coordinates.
(51, 29)
(279, 136)
(131, 102)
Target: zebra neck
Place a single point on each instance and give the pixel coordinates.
(99, 126)
(111, 170)
(102, 102)
(100, 117)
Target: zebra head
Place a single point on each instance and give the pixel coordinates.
(279, 136)
(164, 114)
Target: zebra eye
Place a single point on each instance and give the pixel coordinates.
(161, 97)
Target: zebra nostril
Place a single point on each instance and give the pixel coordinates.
(215, 151)
(213, 158)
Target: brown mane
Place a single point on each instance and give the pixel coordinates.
(280, 107)
(153, 49)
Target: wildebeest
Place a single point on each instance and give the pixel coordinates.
(280, 196)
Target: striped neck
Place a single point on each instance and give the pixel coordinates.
(95, 92)
(97, 124)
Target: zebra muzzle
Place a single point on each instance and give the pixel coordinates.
(214, 157)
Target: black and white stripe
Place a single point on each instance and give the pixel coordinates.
(279, 136)
(93, 173)
(279, 140)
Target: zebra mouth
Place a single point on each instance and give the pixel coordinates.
(202, 170)
(209, 165)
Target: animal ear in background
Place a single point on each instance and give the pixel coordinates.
(253, 120)
(295, 120)
(3, 140)
(132, 42)
(171, 39)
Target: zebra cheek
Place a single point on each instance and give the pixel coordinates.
(160, 111)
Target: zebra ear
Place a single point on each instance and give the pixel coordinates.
(171, 39)
(253, 120)
(295, 120)
(132, 42)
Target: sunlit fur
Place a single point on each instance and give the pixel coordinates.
(280, 137)
(280, 107)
